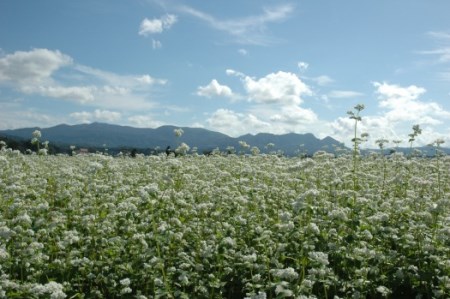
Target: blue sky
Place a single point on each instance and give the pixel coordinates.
(232, 66)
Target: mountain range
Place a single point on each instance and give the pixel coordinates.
(102, 135)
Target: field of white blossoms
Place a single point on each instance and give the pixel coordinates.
(236, 226)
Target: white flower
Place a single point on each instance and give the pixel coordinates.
(244, 145)
(319, 257)
(182, 149)
(125, 290)
(229, 241)
(283, 292)
(260, 295)
(37, 134)
(43, 152)
(384, 291)
(178, 132)
(286, 274)
(313, 228)
(125, 282)
(55, 290)
(158, 282)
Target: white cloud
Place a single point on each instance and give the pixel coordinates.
(13, 115)
(214, 89)
(440, 35)
(445, 76)
(293, 116)
(443, 51)
(52, 74)
(393, 95)
(282, 121)
(82, 94)
(82, 117)
(322, 80)
(403, 104)
(344, 94)
(247, 30)
(106, 115)
(243, 52)
(148, 80)
(231, 72)
(157, 25)
(281, 87)
(197, 125)
(32, 67)
(274, 100)
(235, 124)
(156, 44)
(97, 115)
(144, 121)
(303, 66)
(112, 79)
(401, 109)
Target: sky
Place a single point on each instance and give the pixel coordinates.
(230, 66)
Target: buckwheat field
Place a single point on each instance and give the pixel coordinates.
(225, 226)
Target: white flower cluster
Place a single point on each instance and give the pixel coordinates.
(254, 226)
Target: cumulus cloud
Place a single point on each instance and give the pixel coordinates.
(97, 115)
(82, 117)
(402, 108)
(13, 115)
(107, 115)
(281, 87)
(280, 121)
(403, 104)
(144, 121)
(231, 72)
(293, 116)
(392, 95)
(152, 26)
(32, 67)
(274, 106)
(148, 80)
(32, 73)
(214, 89)
(52, 74)
(235, 124)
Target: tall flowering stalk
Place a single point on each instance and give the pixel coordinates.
(412, 137)
(381, 143)
(178, 132)
(182, 148)
(36, 140)
(437, 154)
(356, 140)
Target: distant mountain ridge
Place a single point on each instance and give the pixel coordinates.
(116, 136)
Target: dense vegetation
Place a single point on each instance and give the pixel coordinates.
(225, 226)
(94, 226)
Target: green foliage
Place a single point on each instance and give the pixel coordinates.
(262, 226)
